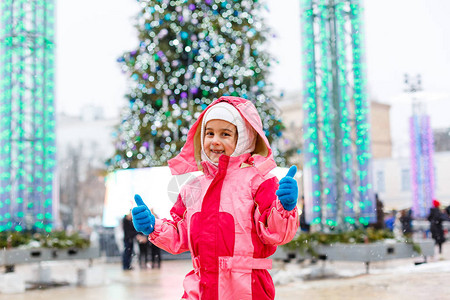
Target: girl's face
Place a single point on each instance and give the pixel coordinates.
(220, 138)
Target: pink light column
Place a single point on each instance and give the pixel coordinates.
(422, 167)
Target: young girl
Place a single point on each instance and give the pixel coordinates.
(233, 216)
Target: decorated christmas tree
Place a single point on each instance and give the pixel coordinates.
(191, 52)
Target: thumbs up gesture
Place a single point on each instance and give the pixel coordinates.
(288, 190)
(143, 220)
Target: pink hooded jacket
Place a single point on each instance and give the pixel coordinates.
(229, 218)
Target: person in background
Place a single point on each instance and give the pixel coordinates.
(144, 246)
(155, 251)
(380, 213)
(379, 209)
(305, 227)
(389, 220)
(129, 234)
(436, 217)
(406, 222)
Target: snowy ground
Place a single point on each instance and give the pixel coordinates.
(394, 279)
(400, 279)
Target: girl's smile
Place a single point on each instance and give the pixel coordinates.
(220, 138)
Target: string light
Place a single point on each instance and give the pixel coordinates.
(27, 116)
(422, 164)
(362, 111)
(311, 166)
(334, 84)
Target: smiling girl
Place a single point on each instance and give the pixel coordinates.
(233, 216)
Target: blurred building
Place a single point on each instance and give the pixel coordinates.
(441, 138)
(84, 143)
(392, 176)
(380, 124)
(392, 180)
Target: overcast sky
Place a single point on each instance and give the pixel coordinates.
(402, 36)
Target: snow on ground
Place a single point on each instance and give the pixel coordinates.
(293, 272)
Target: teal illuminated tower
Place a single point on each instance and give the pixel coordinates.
(337, 147)
(27, 114)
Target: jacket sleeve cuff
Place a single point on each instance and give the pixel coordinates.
(285, 213)
(156, 231)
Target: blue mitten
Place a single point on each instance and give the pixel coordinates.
(143, 220)
(288, 190)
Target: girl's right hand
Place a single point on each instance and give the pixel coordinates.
(143, 220)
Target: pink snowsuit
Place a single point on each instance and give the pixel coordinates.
(229, 218)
